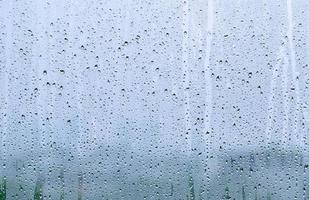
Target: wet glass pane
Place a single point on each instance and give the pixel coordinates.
(154, 100)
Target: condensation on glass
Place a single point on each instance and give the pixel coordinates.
(166, 99)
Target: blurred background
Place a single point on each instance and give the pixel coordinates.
(165, 99)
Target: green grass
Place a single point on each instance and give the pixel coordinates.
(3, 189)
(38, 191)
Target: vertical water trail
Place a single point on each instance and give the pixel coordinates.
(208, 84)
(186, 75)
(207, 69)
(76, 63)
(282, 60)
(40, 100)
(38, 65)
(295, 76)
(271, 99)
(5, 85)
(286, 107)
(296, 132)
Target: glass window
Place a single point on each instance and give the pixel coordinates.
(154, 100)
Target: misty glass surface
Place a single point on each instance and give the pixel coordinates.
(154, 100)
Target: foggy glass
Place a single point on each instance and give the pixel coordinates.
(154, 100)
